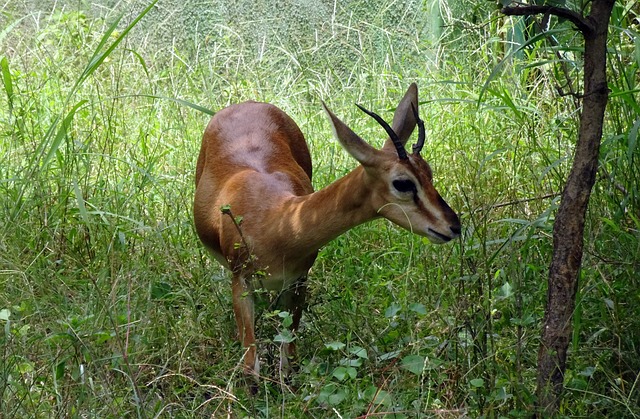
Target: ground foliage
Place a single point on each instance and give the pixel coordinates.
(111, 308)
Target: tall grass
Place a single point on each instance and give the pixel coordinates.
(110, 306)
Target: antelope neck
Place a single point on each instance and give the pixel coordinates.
(331, 211)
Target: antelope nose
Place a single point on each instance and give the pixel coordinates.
(455, 229)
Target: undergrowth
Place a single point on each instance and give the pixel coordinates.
(111, 307)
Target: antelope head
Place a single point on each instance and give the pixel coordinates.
(401, 183)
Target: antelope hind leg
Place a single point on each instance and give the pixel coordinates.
(243, 308)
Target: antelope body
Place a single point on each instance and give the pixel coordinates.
(254, 162)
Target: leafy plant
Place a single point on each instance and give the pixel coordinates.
(109, 306)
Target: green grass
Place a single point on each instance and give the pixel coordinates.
(111, 308)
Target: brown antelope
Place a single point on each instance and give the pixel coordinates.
(256, 211)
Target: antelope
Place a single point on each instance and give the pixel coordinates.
(256, 211)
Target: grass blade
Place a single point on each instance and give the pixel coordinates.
(7, 82)
(62, 133)
(9, 28)
(495, 72)
(99, 57)
(80, 200)
(180, 102)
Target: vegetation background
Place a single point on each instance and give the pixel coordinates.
(110, 306)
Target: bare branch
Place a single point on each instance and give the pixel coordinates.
(577, 19)
(516, 202)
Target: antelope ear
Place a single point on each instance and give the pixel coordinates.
(404, 121)
(356, 146)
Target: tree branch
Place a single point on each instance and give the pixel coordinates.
(577, 19)
(516, 202)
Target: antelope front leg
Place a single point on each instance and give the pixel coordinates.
(244, 313)
(293, 301)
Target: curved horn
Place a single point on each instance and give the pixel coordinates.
(417, 147)
(392, 135)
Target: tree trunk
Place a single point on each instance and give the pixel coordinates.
(568, 230)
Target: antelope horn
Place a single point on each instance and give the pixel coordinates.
(417, 147)
(392, 135)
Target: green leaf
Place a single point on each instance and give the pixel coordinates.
(527, 320)
(103, 336)
(25, 367)
(609, 302)
(351, 362)
(60, 370)
(359, 352)
(384, 398)
(377, 396)
(287, 318)
(414, 364)
(332, 394)
(506, 291)
(22, 331)
(389, 355)
(160, 290)
(578, 383)
(122, 241)
(334, 346)
(342, 373)
(285, 336)
(392, 310)
(5, 314)
(588, 372)
(418, 308)
(501, 394)
(477, 382)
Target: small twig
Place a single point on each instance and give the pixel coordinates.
(602, 89)
(226, 210)
(251, 258)
(571, 93)
(577, 19)
(611, 179)
(516, 202)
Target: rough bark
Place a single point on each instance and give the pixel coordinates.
(568, 231)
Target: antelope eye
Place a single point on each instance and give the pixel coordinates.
(404, 185)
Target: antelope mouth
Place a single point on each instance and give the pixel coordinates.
(436, 237)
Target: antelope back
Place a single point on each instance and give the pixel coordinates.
(252, 157)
